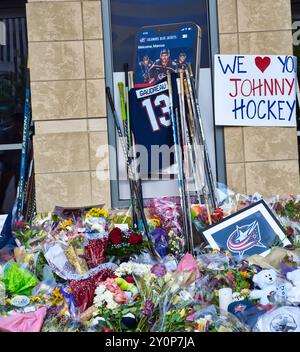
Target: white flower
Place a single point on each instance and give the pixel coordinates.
(99, 301)
(100, 289)
(108, 296)
(185, 295)
(141, 269)
(130, 268)
(96, 321)
(124, 269)
(112, 305)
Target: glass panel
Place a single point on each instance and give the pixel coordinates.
(9, 178)
(130, 15)
(13, 62)
(127, 17)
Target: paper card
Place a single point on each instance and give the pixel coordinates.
(122, 227)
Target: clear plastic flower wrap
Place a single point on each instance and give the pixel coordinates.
(153, 284)
(119, 216)
(178, 302)
(212, 319)
(213, 261)
(58, 319)
(167, 211)
(48, 283)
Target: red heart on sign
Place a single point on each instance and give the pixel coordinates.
(262, 63)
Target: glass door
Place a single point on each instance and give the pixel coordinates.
(121, 21)
(13, 63)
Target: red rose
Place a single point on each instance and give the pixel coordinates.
(130, 279)
(20, 223)
(115, 236)
(135, 238)
(107, 330)
(290, 231)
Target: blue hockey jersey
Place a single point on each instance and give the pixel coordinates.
(152, 126)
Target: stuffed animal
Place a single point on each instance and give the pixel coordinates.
(266, 280)
(294, 293)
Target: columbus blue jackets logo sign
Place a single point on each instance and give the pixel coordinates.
(248, 232)
(244, 238)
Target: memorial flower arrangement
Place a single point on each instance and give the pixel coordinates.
(201, 217)
(91, 275)
(122, 244)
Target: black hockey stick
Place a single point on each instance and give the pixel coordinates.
(177, 138)
(130, 171)
(200, 134)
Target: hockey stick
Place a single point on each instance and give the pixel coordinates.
(199, 163)
(130, 171)
(185, 143)
(23, 168)
(130, 83)
(125, 129)
(200, 134)
(176, 138)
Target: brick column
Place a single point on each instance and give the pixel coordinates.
(68, 102)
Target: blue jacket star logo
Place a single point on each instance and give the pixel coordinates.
(243, 238)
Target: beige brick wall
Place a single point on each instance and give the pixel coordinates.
(69, 109)
(259, 159)
(68, 101)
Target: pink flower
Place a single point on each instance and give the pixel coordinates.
(107, 330)
(120, 297)
(112, 286)
(20, 223)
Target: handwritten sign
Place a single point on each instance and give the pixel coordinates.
(255, 90)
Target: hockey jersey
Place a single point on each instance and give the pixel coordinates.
(152, 126)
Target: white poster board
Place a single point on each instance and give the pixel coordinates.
(255, 90)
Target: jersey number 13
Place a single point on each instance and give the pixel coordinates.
(160, 101)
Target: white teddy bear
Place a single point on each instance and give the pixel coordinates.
(266, 280)
(294, 292)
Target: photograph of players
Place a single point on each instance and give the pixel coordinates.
(181, 62)
(153, 70)
(145, 65)
(162, 66)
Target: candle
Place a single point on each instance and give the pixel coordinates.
(225, 298)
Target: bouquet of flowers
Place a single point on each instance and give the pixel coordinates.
(201, 219)
(123, 244)
(288, 211)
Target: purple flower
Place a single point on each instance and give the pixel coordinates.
(231, 277)
(284, 268)
(161, 240)
(148, 306)
(159, 270)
